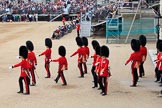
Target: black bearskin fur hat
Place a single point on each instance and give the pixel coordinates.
(23, 52)
(85, 41)
(29, 45)
(95, 44)
(160, 46)
(104, 51)
(157, 44)
(142, 40)
(98, 50)
(79, 41)
(135, 44)
(48, 42)
(62, 51)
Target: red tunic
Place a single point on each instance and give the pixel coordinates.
(63, 19)
(24, 67)
(94, 59)
(81, 54)
(47, 54)
(98, 65)
(86, 51)
(62, 63)
(32, 58)
(78, 27)
(160, 62)
(143, 51)
(104, 67)
(136, 59)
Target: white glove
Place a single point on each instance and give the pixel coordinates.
(10, 67)
(50, 60)
(18, 57)
(38, 55)
(96, 63)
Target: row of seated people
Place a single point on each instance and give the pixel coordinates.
(63, 30)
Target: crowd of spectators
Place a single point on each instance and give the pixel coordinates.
(32, 7)
(89, 9)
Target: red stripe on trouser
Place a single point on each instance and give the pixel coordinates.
(26, 85)
(85, 67)
(47, 69)
(62, 77)
(80, 69)
(33, 76)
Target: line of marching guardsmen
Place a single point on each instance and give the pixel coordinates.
(100, 66)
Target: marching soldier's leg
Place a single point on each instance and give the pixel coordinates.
(20, 85)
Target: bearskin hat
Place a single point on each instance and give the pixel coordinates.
(104, 51)
(79, 41)
(29, 45)
(85, 41)
(98, 50)
(157, 44)
(135, 44)
(142, 40)
(77, 21)
(23, 52)
(48, 42)
(62, 51)
(95, 44)
(160, 46)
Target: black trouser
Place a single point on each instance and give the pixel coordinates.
(85, 67)
(61, 74)
(141, 70)
(135, 76)
(99, 81)
(104, 84)
(81, 69)
(160, 74)
(27, 82)
(47, 66)
(95, 79)
(78, 34)
(157, 74)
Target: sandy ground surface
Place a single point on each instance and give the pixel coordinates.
(79, 92)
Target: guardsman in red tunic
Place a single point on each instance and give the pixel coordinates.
(47, 53)
(157, 74)
(25, 66)
(136, 59)
(143, 51)
(32, 60)
(81, 55)
(78, 28)
(98, 64)
(86, 48)
(63, 65)
(95, 44)
(160, 63)
(104, 71)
